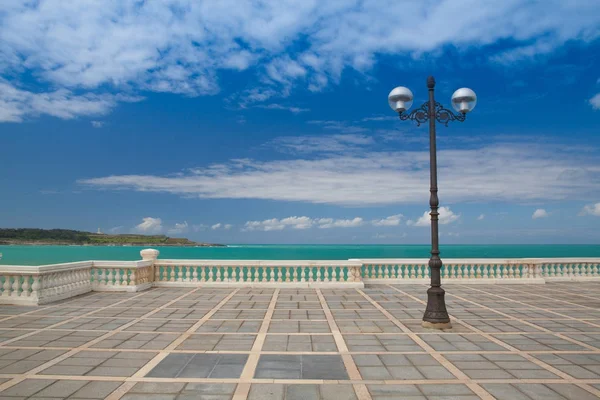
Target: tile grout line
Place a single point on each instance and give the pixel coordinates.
(84, 346)
(242, 390)
(69, 320)
(558, 334)
(513, 349)
(461, 376)
(129, 384)
(361, 390)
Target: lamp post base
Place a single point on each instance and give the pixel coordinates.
(436, 316)
(436, 325)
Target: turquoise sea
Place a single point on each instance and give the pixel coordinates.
(39, 255)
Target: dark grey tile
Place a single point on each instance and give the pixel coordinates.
(171, 366)
(329, 367)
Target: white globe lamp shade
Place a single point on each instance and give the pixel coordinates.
(464, 100)
(400, 99)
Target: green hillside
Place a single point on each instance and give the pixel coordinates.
(67, 236)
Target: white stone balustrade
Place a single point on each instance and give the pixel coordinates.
(48, 283)
(120, 276)
(231, 273)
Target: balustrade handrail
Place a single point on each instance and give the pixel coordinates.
(494, 261)
(257, 263)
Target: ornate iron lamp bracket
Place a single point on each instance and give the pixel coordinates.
(442, 115)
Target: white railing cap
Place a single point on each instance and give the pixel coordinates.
(121, 264)
(508, 261)
(258, 263)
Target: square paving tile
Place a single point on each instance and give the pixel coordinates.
(498, 366)
(59, 389)
(101, 363)
(328, 367)
(299, 327)
(261, 391)
(580, 366)
(539, 341)
(460, 342)
(400, 367)
(210, 342)
(132, 340)
(379, 343)
(317, 343)
(537, 391)
(189, 365)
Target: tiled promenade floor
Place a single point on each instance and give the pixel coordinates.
(509, 342)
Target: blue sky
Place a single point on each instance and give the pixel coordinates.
(268, 122)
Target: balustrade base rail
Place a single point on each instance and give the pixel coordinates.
(27, 285)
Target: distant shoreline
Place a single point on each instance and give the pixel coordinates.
(4, 243)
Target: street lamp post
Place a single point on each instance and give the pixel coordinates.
(463, 101)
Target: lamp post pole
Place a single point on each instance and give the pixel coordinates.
(463, 101)
(436, 315)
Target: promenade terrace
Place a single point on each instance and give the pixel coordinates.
(338, 340)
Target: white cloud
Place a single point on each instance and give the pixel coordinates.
(327, 223)
(295, 110)
(495, 172)
(182, 46)
(17, 104)
(199, 227)
(116, 229)
(98, 124)
(219, 225)
(178, 229)
(149, 226)
(591, 209)
(595, 102)
(322, 143)
(539, 213)
(294, 222)
(392, 220)
(275, 224)
(446, 216)
(481, 217)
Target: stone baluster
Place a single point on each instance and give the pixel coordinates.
(16, 287)
(35, 287)
(133, 278)
(594, 269)
(210, 273)
(109, 276)
(288, 275)
(194, 273)
(310, 273)
(569, 270)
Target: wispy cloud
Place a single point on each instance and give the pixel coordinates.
(392, 220)
(184, 47)
(295, 110)
(149, 225)
(446, 216)
(591, 209)
(496, 172)
(275, 224)
(116, 229)
(322, 143)
(328, 223)
(539, 213)
(178, 229)
(98, 124)
(595, 101)
(481, 217)
(222, 226)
